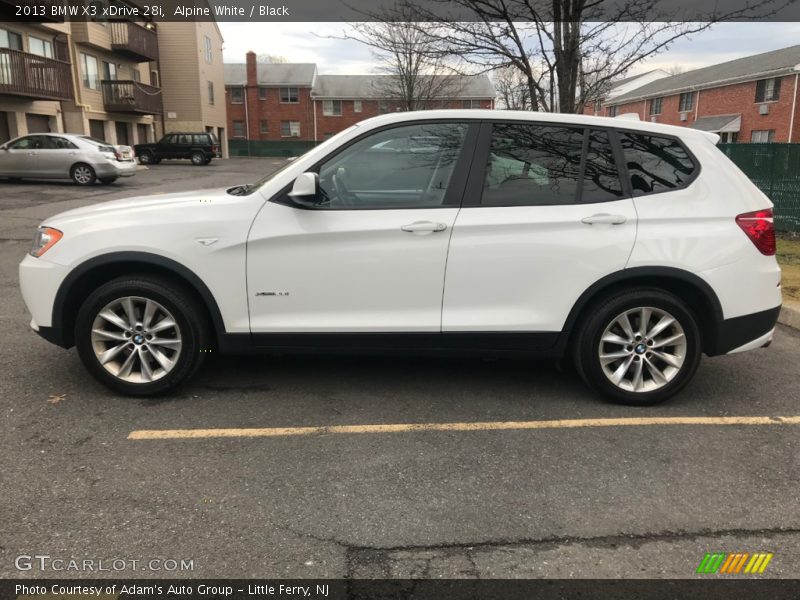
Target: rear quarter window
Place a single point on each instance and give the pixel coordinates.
(656, 164)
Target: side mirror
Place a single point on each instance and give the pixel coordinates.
(305, 190)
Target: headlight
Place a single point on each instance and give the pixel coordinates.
(45, 238)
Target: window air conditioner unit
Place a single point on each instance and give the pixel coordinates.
(684, 117)
(763, 109)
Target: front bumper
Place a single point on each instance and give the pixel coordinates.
(39, 281)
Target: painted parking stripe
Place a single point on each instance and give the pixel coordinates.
(172, 434)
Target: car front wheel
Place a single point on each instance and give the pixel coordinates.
(638, 347)
(146, 158)
(141, 335)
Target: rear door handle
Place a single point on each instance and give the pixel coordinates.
(424, 227)
(604, 219)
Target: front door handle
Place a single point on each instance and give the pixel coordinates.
(604, 219)
(424, 227)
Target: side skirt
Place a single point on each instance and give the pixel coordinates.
(531, 344)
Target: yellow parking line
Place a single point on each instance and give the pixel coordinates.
(171, 434)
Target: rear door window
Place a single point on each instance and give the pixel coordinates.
(542, 165)
(201, 140)
(655, 164)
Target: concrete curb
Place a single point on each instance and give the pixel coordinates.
(790, 315)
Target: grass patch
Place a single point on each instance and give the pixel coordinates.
(789, 259)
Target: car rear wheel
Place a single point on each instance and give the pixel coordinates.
(141, 335)
(198, 158)
(146, 157)
(108, 180)
(83, 174)
(638, 347)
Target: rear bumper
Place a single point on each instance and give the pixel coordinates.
(740, 334)
(117, 169)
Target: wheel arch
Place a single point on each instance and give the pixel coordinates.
(699, 296)
(89, 275)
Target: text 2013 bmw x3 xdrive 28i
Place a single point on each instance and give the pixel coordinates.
(633, 247)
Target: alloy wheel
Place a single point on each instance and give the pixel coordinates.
(82, 175)
(643, 349)
(136, 339)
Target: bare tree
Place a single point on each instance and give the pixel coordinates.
(676, 70)
(512, 91)
(271, 59)
(413, 62)
(567, 51)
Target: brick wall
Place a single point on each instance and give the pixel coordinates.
(273, 111)
(730, 99)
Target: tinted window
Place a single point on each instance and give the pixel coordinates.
(201, 140)
(537, 165)
(58, 143)
(184, 139)
(390, 169)
(601, 180)
(25, 143)
(655, 164)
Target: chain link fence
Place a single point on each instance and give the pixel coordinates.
(269, 148)
(775, 169)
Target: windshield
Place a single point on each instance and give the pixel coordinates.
(244, 190)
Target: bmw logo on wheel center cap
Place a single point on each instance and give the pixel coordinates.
(640, 348)
(139, 339)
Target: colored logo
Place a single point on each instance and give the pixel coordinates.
(734, 563)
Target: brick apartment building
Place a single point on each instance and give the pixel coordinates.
(753, 99)
(106, 79)
(292, 101)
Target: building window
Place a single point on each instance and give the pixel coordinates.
(263, 127)
(764, 136)
(290, 128)
(356, 105)
(207, 50)
(290, 95)
(211, 92)
(655, 106)
(40, 47)
(10, 39)
(687, 102)
(238, 129)
(332, 108)
(109, 71)
(262, 93)
(91, 73)
(383, 107)
(154, 78)
(612, 111)
(237, 95)
(137, 76)
(768, 90)
(470, 104)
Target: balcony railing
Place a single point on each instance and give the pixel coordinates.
(134, 41)
(131, 97)
(33, 76)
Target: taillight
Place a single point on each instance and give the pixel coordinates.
(760, 228)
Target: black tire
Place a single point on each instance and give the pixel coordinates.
(147, 158)
(108, 180)
(198, 158)
(192, 329)
(82, 174)
(586, 346)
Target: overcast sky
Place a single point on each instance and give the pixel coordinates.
(306, 42)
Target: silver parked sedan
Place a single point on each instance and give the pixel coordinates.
(65, 156)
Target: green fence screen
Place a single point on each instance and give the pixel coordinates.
(263, 148)
(775, 169)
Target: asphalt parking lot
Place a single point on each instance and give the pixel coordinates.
(643, 499)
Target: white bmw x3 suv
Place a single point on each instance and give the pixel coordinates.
(631, 247)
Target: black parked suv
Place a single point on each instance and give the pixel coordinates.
(199, 147)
